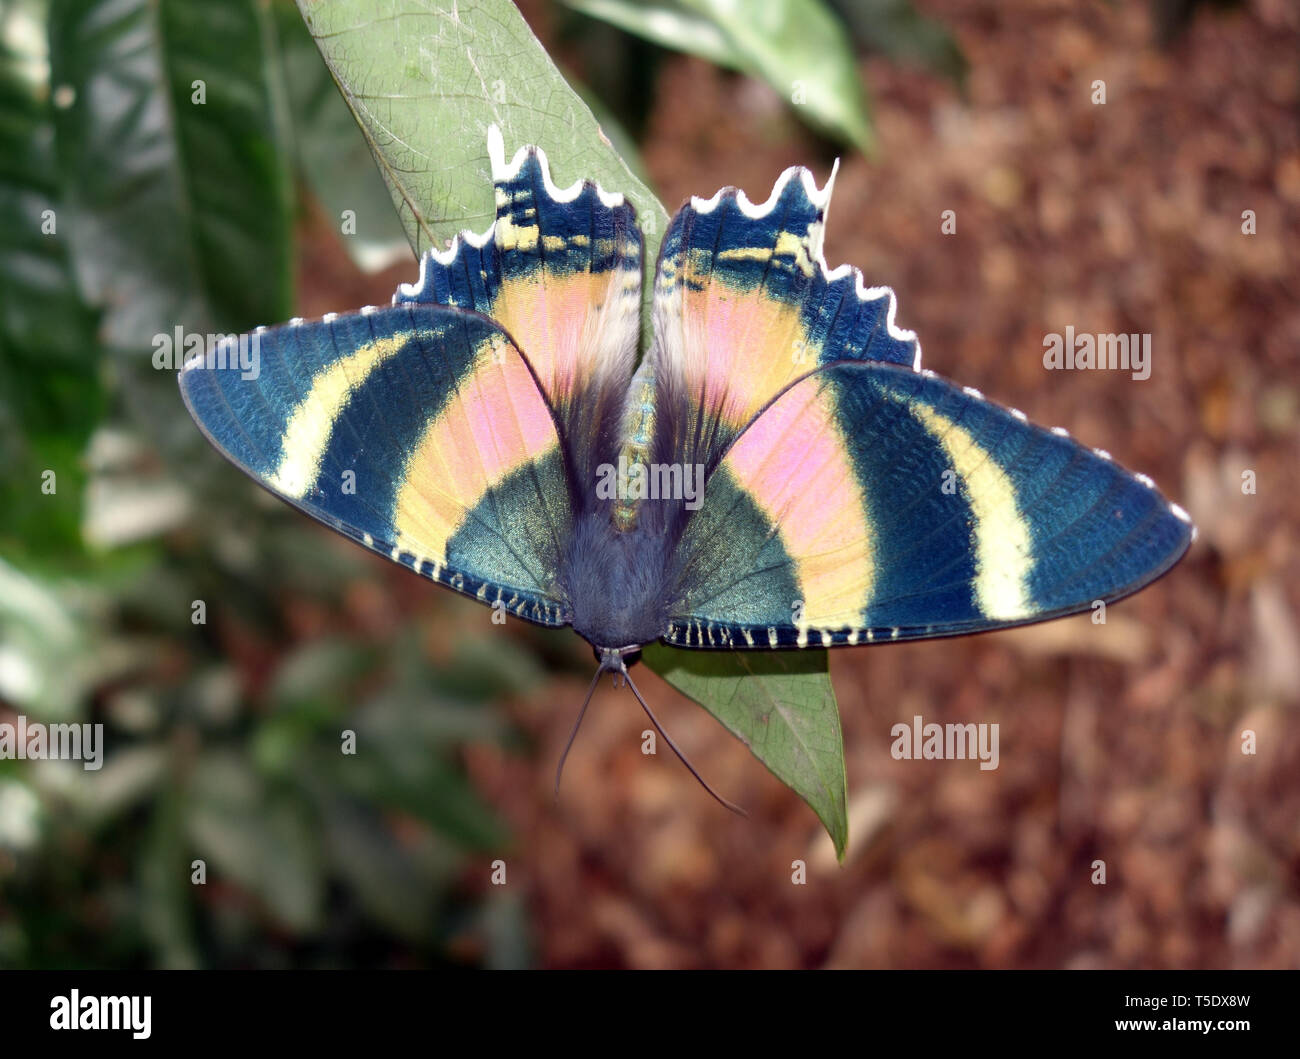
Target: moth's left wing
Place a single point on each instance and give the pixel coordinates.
(418, 431)
(560, 270)
(870, 503)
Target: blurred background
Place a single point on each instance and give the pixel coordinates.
(225, 641)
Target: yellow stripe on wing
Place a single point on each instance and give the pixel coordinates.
(1004, 553)
(307, 433)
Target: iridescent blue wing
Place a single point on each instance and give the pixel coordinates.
(870, 502)
(418, 431)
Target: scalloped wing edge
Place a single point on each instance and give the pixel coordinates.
(502, 172)
(821, 198)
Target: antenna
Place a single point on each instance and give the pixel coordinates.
(611, 660)
(559, 769)
(668, 739)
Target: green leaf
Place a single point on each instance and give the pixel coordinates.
(165, 902)
(426, 81)
(483, 670)
(170, 132)
(668, 26)
(50, 393)
(801, 49)
(401, 763)
(127, 778)
(43, 647)
(782, 706)
(396, 884)
(262, 840)
(321, 670)
(897, 29)
(332, 154)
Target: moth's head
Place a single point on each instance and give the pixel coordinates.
(617, 659)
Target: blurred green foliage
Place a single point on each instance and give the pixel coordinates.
(804, 49)
(152, 161)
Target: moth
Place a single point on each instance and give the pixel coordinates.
(777, 471)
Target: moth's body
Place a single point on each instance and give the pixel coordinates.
(619, 583)
(849, 497)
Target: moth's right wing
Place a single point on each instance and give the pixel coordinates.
(871, 503)
(744, 306)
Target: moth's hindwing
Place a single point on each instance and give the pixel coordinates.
(418, 431)
(560, 271)
(744, 306)
(871, 503)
